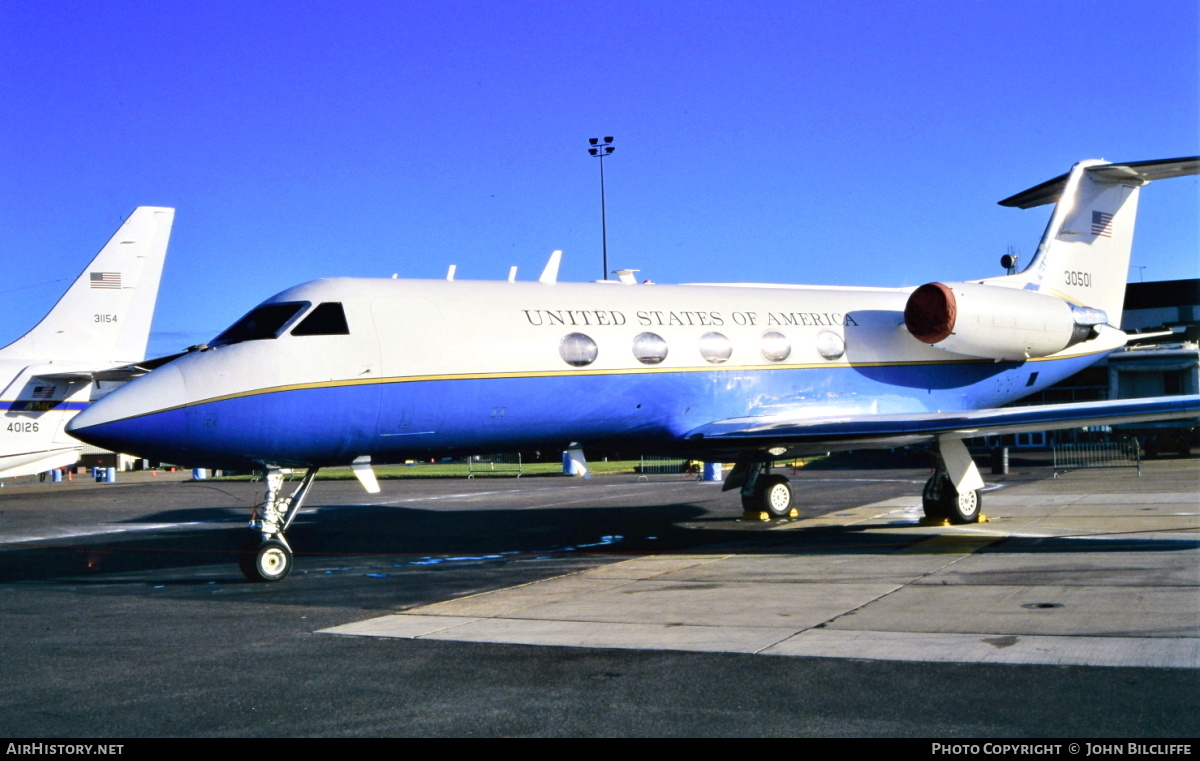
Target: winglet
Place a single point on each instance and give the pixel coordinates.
(550, 273)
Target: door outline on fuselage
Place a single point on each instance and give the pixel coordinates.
(409, 412)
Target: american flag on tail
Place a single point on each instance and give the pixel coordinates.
(105, 279)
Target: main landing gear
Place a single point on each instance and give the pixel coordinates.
(762, 491)
(953, 491)
(951, 494)
(272, 559)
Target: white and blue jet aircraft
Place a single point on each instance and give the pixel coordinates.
(94, 335)
(353, 371)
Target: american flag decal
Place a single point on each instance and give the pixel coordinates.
(1102, 224)
(43, 392)
(105, 279)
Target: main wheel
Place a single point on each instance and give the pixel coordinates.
(775, 496)
(961, 508)
(271, 562)
(931, 497)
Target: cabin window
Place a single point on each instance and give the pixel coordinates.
(775, 346)
(830, 345)
(715, 347)
(649, 348)
(262, 322)
(328, 319)
(577, 350)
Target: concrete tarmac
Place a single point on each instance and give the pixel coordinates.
(1036, 583)
(611, 607)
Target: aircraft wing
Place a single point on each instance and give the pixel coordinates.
(117, 373)
(899, 430)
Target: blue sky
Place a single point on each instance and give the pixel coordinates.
(799, 142)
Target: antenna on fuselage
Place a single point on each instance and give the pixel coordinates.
(450, 272)
(512, 274)
(550, 272)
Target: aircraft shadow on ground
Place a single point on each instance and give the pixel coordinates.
(357, 538)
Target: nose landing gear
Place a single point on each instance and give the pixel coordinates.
(272, 559)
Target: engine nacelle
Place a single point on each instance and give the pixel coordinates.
(995, 322)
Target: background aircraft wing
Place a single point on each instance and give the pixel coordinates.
(896, 430)
(119, 373)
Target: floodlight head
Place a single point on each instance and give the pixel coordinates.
(593, 140)
(592, 151)
(608, 139)
(609, 149)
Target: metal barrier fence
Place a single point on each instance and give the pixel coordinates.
(1115, 454)
(494, 465)
(665, 466)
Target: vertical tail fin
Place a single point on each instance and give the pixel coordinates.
(1084, 253)
(105, 315)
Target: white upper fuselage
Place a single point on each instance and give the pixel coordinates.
(467, 366)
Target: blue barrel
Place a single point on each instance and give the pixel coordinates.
(110, 476)
(713, 471)
(198, 474)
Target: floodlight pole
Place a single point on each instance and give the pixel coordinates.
(600, 151)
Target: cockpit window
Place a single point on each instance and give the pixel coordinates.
(263, 322)
(328, 319)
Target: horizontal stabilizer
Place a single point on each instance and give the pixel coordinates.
(1135, 171)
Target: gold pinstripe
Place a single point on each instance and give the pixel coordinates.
(574, 373)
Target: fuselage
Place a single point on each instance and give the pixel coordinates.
(34, 413)
(399, 369)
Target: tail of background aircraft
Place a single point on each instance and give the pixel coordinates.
(105, 315)
(1084, 254)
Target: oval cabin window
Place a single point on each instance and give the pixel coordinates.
(649, 348)
(577, 350)
(775, 346)
(830, 345)
(715, 347)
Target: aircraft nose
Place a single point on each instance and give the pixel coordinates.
(144, 417)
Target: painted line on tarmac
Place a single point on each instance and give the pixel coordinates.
(109, 530)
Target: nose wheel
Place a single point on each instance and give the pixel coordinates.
(272, 561)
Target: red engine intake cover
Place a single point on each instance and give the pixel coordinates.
(930, 313)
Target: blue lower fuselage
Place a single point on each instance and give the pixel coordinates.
(642, 412)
